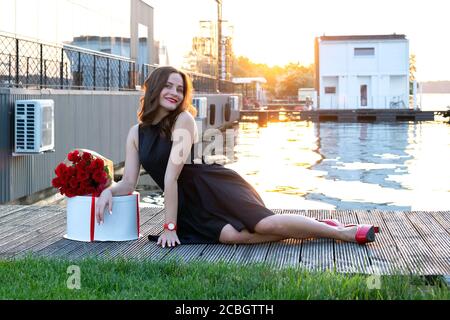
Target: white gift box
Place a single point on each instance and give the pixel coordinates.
(121, 225)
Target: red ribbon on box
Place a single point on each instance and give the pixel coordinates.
(92, 218)
(92, 234)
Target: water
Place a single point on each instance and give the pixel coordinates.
(347, 166)
(386, 166)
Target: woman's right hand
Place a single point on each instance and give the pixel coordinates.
(169, 238)
(103, 202)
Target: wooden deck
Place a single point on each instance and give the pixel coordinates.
(408, 243)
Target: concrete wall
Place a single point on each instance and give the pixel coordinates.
(386, 74)
(93, 120)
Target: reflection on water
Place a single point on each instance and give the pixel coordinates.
(305, 165)
(388, 166)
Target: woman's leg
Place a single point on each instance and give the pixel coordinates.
(230, 235)
(297, 226)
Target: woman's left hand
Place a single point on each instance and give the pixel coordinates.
(168, 237)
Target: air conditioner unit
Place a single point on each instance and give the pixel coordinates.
(201, 104)
(34, 129)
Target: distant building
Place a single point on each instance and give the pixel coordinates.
(203, 57)
(253, 93)
(123, 28)
(354, 72)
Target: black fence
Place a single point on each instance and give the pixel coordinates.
(28, 64)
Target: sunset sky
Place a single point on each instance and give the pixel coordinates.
(283, 31)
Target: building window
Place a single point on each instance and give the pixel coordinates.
(364, 51)
(330, 89)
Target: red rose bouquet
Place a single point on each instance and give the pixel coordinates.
(85, 173)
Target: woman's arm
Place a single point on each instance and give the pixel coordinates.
(184, 135)
(129, 178)
(132, 165)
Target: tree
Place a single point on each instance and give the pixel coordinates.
(412, 68)
(282, 82)
(295, 76)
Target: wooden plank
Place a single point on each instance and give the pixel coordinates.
(350, 257)
(419, 256)
(384, 255)
(218, 253)
(31, 235)
(108, 248)
(63, 244)
(78, 249)
(98, 247)
(285, 254)
(135, 249)
(419, 241)
(10, 209)
(14, 217)
(22, 226)
(185, 253)
(435, 236)
(318, 254)
(250, 253)
(443, 218)
(52, 235)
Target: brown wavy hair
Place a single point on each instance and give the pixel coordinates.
(149, 103)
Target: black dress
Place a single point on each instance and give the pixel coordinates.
(209, 195)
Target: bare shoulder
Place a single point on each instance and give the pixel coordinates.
(185, 118)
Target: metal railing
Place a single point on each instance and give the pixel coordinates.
(382, 101)
(29, 64)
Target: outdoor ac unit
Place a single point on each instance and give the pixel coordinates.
(201, 104)
(34, 128)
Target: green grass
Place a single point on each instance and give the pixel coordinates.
(37, 278)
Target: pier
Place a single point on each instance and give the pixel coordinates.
(416, 243)
(356, 115)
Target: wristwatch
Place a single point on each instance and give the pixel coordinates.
(170, 226)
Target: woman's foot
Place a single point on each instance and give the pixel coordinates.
(361, 233)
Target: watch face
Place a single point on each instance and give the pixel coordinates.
(171, 226)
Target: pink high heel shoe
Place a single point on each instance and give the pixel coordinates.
(365, 233)
(376, 229)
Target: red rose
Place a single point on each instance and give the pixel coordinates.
(99, 163)
(90, 190)
(82, 175)
(74, 156)
(87, 175)
(86, 156)
(61, 169)
(72, 171)
(81, 191)
(70, 194)
(82, 164)
(73, 183)
(56, 182)
(98, 176)
(85, 184)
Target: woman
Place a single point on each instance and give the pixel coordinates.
(203, 203)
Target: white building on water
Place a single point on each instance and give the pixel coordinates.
(362, 72)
